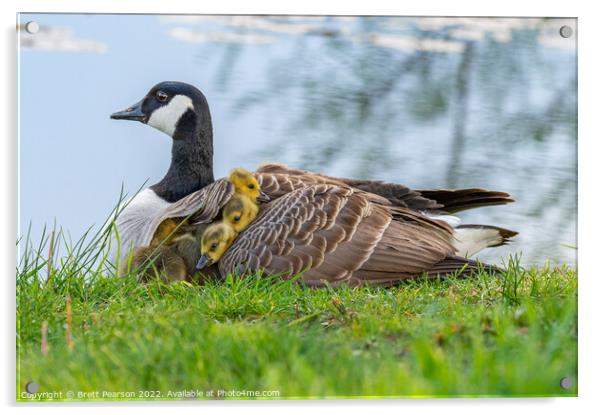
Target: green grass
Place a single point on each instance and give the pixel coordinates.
(508, 335)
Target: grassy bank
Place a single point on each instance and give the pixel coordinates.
(509, 335)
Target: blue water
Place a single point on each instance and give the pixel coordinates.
(424, 102)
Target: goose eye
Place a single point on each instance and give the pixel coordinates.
(213, 246)
(251, 186)
(161, 96)
(236, 218)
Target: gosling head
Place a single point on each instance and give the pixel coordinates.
(246, 183)
(239, 212)
(216, 240)
(175, 108)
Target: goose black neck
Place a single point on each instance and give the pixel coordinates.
(191, 166)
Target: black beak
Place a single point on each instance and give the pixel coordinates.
(133, 113)
(263, 198)
(204, 261)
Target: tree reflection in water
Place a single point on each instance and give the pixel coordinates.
(428, 102)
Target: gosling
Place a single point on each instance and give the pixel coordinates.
(216, 240)
(165, 232)
(238, 213)
(243, 206)
(245, 183)
(174, 248)
(162, 262)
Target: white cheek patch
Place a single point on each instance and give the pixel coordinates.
(165, 118)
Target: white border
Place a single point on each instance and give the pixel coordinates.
(590, 203)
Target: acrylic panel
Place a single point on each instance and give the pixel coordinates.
(488, 105)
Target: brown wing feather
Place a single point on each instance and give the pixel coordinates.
(378, 192)
(278, 184)
(282, 179)
(202, 206)
(337, 235)
(326, 231)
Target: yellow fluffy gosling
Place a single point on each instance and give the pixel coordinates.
(216, 240)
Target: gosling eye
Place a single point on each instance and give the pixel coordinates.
(214, 246)
(251, 186)
(236, 218)
(161, 96)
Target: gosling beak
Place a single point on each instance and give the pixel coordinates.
(263, 198)
(204, 261)
(133, 113)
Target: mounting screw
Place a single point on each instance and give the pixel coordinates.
(31, 387)
(32, 27)
(566, 31)
(566, 383)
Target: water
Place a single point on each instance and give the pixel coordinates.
(426, 102)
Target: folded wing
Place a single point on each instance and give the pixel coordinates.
(280, 179)
(336, 235)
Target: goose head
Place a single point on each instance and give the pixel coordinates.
(216, 240)
(170, 107)
(181, 111)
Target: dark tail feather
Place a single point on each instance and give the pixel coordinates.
(462, 199)
(462, 267)
(450, 266)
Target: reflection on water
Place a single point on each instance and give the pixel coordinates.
(427, 102)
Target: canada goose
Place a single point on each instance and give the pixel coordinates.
(165, 232)
(242, 208)
(334, 230)
(175, 260)
(237, 214)
(245, 183)
(216, 240)
(164, 262)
